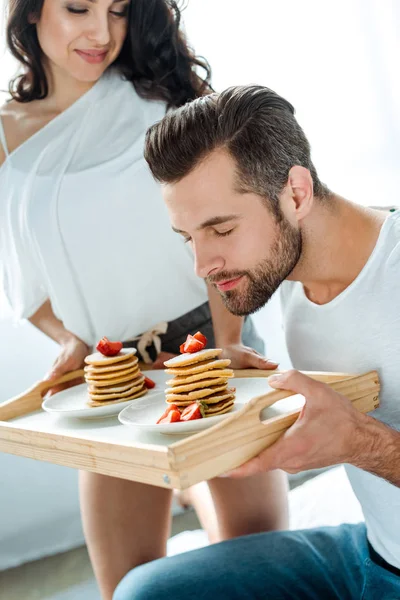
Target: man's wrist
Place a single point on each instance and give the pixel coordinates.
(373, 443)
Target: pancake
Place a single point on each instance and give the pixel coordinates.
(213, 399)
(123, 364)
(133, 397)
(217, 373)
(115, 389)
(197, 385)
(201, 378)
(110, 382)
(200, 368)
(98, 359)
(186, 359)
(219, 409)
(111, 376)
(112, 389)
(195, 394)
(114, 396)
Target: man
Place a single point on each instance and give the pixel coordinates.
(242, 191)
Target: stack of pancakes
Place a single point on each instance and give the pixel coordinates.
(201, 377)
(113, 379)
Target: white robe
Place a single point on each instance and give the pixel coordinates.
(82, 222)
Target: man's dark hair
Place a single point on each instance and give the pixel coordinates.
(253, 124)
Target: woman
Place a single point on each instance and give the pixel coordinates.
(86, 248)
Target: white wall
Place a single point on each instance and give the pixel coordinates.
(337, 62)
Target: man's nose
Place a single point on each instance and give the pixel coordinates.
(206, 261)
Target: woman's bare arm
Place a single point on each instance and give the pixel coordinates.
(73, 349)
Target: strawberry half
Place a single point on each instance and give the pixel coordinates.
(192, 412)
(202, 338)
(149, 383)
(169, 408)
(108, 348)
(192, 345)
(173, 416)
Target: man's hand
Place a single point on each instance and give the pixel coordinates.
(71, 357)
(161, 359)
(328, 431)
(243, 357)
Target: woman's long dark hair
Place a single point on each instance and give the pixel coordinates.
(155, 56)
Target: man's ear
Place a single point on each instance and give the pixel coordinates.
(301, 184)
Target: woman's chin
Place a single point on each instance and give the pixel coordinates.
(88, 73)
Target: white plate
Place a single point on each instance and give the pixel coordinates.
(73, 401)
(144, 412)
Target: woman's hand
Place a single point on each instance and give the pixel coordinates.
(243, 357)
(71, 358)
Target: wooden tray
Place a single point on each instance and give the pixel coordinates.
(107, 447)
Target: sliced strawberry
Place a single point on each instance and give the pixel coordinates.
(192, 412)
(192, 345)
(202, 338)
(169, 408)
(149, 383)
(108, 348)
(182, 348)
(172, 417)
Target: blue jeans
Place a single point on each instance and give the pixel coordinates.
(329, 563)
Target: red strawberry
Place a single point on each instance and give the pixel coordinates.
(149, 383)
(108, 348)
(192, 345)
(192, 412)
(173, 416)
(169, 408)
(202, 338)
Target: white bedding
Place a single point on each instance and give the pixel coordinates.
(325, 500)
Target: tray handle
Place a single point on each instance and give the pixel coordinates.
(32, 399)
(243, 435)
(355, 388)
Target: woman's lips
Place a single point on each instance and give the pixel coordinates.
(229, 284)
(92, 57)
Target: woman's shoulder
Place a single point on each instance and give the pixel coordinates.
(20, 121)
(12, 111)
(148, 108)
(4, 116)
(12, 116)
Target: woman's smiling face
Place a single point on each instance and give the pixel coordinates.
(82, 37)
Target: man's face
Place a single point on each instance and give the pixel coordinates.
(239, 246)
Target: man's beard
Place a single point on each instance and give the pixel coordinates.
(267, 276)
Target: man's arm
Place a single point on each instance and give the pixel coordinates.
(329, 431)
(378, 450)
(228, 335)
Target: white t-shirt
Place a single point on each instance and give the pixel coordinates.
(82, 222)
(357, 332)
